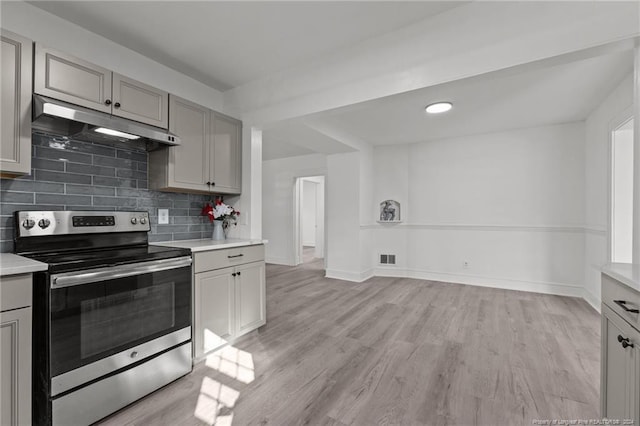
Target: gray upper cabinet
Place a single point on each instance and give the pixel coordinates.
(209, 158)
(186, 166)
(226, 159)
(15, 110)
(140, 102)
(70, 79)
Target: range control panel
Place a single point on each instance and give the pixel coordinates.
(40, 223)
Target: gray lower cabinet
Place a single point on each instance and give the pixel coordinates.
(15, 350)
(15, 110)
(209, 158)
(70, 79)
(620, 362)
(229, 296)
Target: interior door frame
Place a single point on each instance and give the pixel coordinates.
(297, 217)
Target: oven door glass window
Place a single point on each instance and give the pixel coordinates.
(98, 319)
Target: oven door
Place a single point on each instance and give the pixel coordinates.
(105, 319)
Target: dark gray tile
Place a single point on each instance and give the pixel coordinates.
(92, 148)
(91, 208)
(132, 155)
(115, 201)
(62, 154)
(178, 212)
(6, 246)
(6, 233)
(88, 169)
(166, 229)
(187, 235)
(45, 175)
(154, 238)
(31, 186)
(16, 197)
(117, 182)
(6, 221)
(200, 228)
(142, 166)
(143, 184)
(128, 192)
(179, 204)
(128, 173)
(9, 208)
(90, 190)
(154, 202)
(44, 164)
(80, 200)
(114, 162)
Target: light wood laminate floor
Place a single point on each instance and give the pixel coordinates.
(392, 351)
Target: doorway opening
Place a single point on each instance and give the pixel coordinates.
(622, 192)
(309, 226)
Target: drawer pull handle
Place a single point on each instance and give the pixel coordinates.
(623, 305)
(235, 255)
(624, 341)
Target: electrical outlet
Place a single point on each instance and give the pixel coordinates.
(465, 264)
(163, 216)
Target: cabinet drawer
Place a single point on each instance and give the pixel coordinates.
(224, 258)
(613, 291)
(15, 291)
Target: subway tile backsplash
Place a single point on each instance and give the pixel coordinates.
(74, 175)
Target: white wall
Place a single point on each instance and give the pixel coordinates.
(278, 181)
(622, 198)
(52, 31)
(510, 204)
(308, 216)
(599, 124)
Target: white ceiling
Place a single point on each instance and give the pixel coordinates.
(489, 103)
(225, 44)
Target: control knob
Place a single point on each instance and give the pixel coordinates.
(134, 220)
(143, 220)
(44, 223)
(28, 223)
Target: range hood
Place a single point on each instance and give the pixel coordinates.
(54, 116)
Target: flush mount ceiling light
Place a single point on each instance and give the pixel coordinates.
(116, 133)
(438, 107)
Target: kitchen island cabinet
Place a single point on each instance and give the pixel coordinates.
(620, 340)
(15, 127)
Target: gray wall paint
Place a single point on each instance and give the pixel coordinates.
(74, 175)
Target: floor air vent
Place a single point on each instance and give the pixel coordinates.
(388, 259)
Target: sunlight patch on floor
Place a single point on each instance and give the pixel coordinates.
(233, 362)
(215, 398)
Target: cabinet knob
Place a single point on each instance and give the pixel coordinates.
(107, 102)
(208, 183)
(213, 184)
(116, 105)
(238, 273)
(626, 344)
(233, 274)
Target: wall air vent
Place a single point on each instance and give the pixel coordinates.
(387, 259)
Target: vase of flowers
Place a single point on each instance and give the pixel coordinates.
(222, 216)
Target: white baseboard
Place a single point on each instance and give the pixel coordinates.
(357, 277)
(279, 261)
(591, 299)
(561, 289)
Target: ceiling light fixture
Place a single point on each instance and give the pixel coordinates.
(438, 107)
(116, 133)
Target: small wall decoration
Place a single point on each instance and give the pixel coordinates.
(389, 211)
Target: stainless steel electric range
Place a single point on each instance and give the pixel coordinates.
(112, 314)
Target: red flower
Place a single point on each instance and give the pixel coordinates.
(207, 210)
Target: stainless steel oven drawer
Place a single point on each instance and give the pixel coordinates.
(622, 300)
(91, 403)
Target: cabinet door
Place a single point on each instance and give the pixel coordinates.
(15, 367)
(73, 80)
(139, 102)
(226, 154)
(250, 296)
(214, 310)
(15, 109)
(620, 374)
(189, 162)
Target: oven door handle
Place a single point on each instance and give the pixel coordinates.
(118, 271)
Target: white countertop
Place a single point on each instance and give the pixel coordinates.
(12, 264)
(209, 244)
(626, 273)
